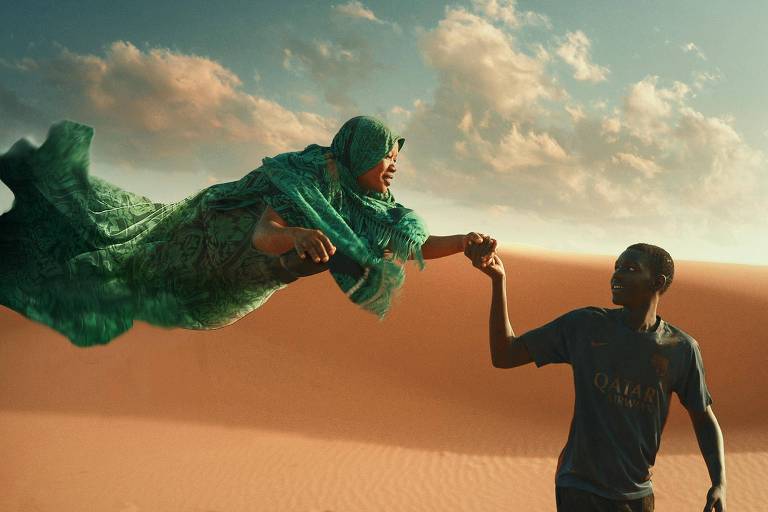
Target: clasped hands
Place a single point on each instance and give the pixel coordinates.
(481, 251)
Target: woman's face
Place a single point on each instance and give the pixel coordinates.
(379, 177)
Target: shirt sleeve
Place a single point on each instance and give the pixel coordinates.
(692, 390)
(549, 343)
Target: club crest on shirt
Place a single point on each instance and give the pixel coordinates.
(660, 364)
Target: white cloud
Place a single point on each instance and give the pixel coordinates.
(479, 128)
(400, 111)
(356, 9)
(334, 66)
(611, 126)
(702, 78)
(396, 117)
(701, 162)
(576, 112)
(575, 52)
(506, 12)
(647, 108)
(497, 76)
(163, 104)
(531, 149)
(516, 150)
(646, 167)
(25, 64)
(724, 170)
(692, 48)
(309, 100)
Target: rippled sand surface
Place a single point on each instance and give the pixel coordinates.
(311, 405)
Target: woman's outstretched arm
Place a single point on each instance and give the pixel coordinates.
(273, 236)
(442, 246)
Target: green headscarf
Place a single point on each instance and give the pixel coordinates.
(360, 141)
(360, 223)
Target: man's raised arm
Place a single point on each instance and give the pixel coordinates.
(507, 351)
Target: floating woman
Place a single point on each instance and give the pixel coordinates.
(88, 258)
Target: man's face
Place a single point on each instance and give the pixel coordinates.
(632, 283)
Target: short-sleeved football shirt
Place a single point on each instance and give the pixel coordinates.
(623, 383)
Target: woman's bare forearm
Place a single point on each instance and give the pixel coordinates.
(442, 246)
(271, 235)
(273, 239)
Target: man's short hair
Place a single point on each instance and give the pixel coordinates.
(661, 262)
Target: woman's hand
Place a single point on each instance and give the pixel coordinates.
(470, 239)
(314, 243)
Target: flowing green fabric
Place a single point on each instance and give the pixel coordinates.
(88, 258)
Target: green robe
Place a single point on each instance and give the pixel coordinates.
(88, 258)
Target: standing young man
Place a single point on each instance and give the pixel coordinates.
(626, 363)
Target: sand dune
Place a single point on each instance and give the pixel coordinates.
(310, 404)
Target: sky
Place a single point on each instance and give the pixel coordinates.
(568, 126)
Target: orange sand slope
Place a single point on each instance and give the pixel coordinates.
(311, 404)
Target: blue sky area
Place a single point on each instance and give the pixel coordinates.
(574, 126)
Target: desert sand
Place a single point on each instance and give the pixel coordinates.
(309, 404)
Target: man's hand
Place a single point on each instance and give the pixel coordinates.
(715, 499)
(485, 259)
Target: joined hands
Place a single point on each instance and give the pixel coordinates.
(483, 255)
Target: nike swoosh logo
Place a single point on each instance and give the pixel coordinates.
(599, 344)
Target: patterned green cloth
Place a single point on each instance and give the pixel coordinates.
(87, 258)
(360, 223)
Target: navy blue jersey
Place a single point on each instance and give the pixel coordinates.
(623, 383)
